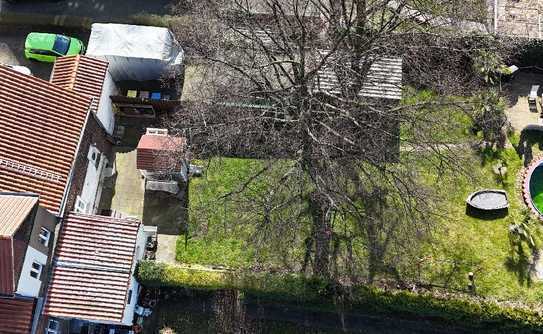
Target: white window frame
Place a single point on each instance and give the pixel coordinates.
(36, 271)
(50, 330)
(94, 155)
(44, 237)
(80, 205)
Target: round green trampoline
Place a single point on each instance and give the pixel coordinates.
(536, 188)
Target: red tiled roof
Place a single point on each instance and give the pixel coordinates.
(16, 315)
(7, 284)
(40, 128)
(160, 152)
(14, 209)
(81, 74)
(94, 260)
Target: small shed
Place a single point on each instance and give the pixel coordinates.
(161, 153)
(134, 52)
(382, 81)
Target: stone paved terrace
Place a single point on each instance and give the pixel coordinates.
(518, 110)
(129, 190)
(520, 18)
(128, 197)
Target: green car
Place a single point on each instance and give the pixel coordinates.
(47, 47)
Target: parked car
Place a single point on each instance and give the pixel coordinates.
(47, 47)
(20, 69)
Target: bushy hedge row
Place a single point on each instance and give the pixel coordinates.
(454, 310)
(273, 286)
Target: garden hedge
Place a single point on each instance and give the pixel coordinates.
(459, 310)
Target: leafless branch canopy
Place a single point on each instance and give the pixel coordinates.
(315, 87)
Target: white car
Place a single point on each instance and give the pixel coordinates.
(20, 69)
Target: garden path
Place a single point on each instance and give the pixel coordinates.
(129, 198)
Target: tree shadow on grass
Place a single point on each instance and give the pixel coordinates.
(488, 155)
(524, 148)
(522, 265)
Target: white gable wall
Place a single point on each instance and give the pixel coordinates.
(105, 110)
(139, 252)
(92, 186)
(29, 286)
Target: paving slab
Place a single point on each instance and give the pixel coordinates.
(518, 110)
(166, 248)
(520, 18)
(129, 192)
(167, 212)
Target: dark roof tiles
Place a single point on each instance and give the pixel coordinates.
(94, 261)
(82, 74)
(40, 128)
(16, 315)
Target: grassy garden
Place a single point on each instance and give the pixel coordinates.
(351, 227)
(215, 241)
(469, 312)
(220, 230)
(464, 244)
(461, 243)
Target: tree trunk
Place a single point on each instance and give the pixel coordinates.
(374, 256)
(322, 234)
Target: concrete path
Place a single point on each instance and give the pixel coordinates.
(166, 248)
(168, 214)
(129, 189)
(154, 209)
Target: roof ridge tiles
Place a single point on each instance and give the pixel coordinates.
(97, 267)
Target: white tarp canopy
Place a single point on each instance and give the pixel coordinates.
(135, 52)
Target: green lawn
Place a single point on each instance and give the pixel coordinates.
(225, 211)
(439, 118)
(463, 243)
(460, 243)
(221, 232)
(212, 238)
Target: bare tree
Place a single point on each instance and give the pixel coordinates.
(308, 85)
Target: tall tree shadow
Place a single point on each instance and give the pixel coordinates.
(528, 138)
(522, 265)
